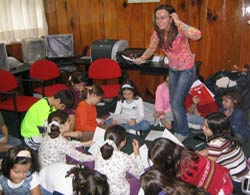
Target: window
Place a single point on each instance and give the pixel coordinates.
(22, 19)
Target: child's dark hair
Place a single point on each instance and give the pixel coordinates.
(173, 31)
(17, 155)
(234, 95)
(93, 89)
(88, 182)
(246, 67)
(154, 182)
(167, 156)
(66, 97)
(115, 134)
(220, 125)
(76, 78)
(58, 116)
(128, 85)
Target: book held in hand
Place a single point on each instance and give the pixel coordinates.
(198, 89)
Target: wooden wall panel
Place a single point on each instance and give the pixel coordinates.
(213, 37)
(123, 20)
(74, 23)
(195, 19)
(85, 18)
(245, 32)
(62, 16)
(96, 19)
(110, 19)
(137, 21)
(15, 50)
(50, 7)
(149, 11)
(231, 23)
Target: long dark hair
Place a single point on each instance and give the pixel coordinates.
(168, 156)
(88, 182)
(173, 31)
(117, 134)
(220, 125)
(153, 182)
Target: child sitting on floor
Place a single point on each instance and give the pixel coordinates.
(6, 141)
(154, 182)
(224, 148)
(19, 173)
(39, 112)
(115, 164)
(130, 107)
(179, 162)
(76, 82)
(232, 101)
(64, 179)
(86, 114)
(54, 146)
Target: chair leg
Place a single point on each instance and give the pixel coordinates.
(18, 124)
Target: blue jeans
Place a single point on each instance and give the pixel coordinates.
(12, 140)
(179, 85)
(143, 125)
(195, 119)
(191, 118)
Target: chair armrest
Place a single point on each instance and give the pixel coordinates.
(30, 80)
(36, 82)
(13, 95)
(8, 92)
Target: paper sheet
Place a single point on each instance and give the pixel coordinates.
(153, 134)
(167, 134)
(120, 118)
(144, 156)
(128, 58)
(98, 140)
(141, 192)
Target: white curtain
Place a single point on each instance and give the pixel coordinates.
(21, 19)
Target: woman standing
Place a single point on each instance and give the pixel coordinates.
(172, 35)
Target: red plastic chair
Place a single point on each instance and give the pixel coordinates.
(106, 70)
(46, 73)
(9, 98)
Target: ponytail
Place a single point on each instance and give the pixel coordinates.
(114, 135)
(53, 124)
(107, 151)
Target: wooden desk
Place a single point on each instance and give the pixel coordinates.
(152, 68)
